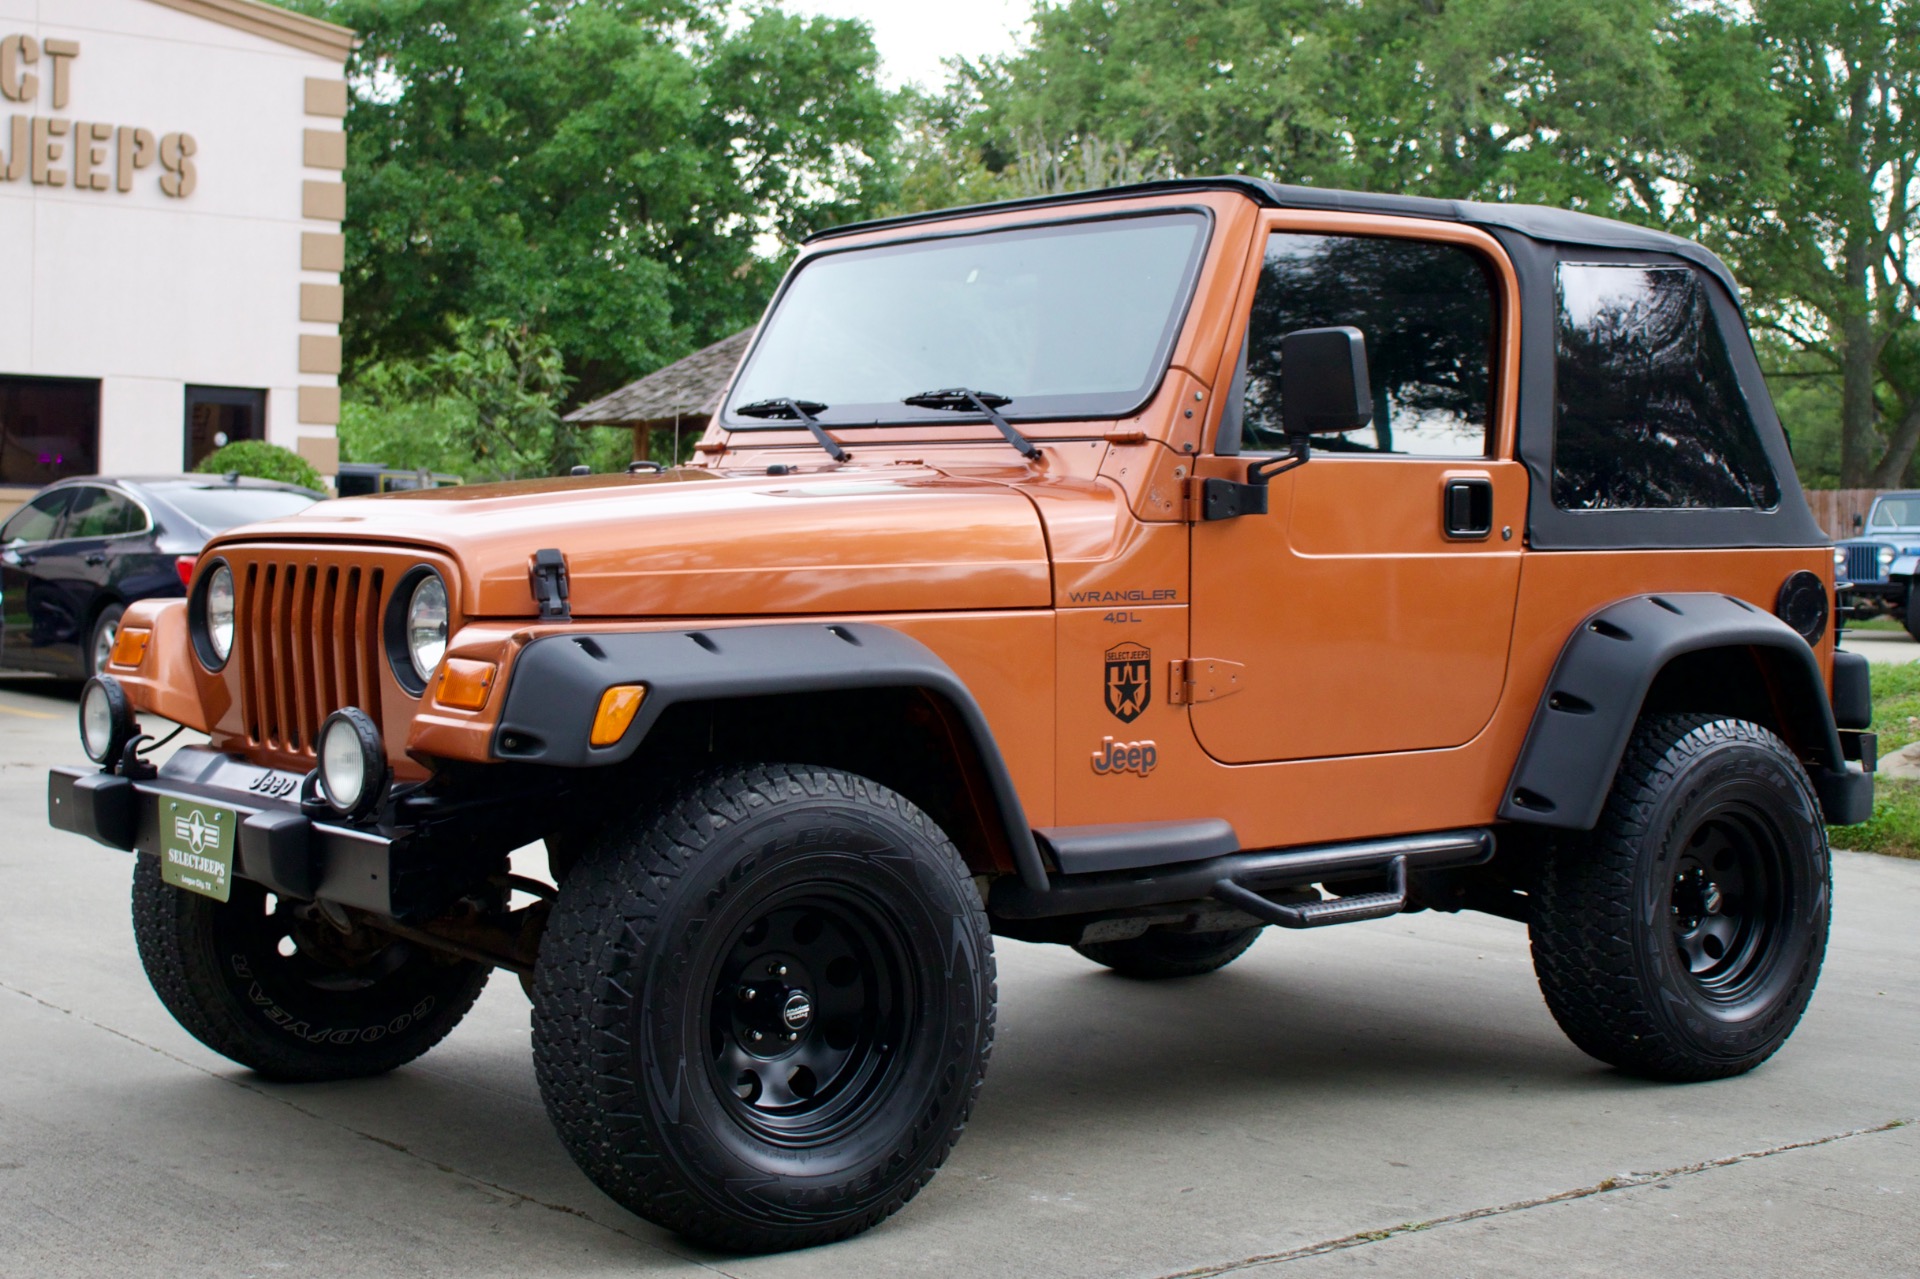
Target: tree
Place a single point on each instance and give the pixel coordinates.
(488, 406)
(610, 173)
(1829, 251)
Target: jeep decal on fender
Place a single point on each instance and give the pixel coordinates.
(1125, 757)
(1129, 680)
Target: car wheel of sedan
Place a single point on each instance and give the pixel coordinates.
(106, 629)
(763, 1009)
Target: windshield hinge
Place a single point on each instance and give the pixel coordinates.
(548, 577)
(1202, 679)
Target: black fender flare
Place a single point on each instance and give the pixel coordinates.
(1590, 704)
(557, 682)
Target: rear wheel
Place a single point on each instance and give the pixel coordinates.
(1682, 939)
(763, 1009)
(269, 983)
(1158, 953)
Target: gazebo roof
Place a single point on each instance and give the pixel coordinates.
(687, 388)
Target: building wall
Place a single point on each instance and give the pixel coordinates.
(209, 281)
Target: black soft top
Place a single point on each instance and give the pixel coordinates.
(1535, 221)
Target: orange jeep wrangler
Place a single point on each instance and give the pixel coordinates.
(1133, 570)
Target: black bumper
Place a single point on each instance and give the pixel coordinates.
(279, 847)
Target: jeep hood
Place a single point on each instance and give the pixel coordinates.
(691, 544)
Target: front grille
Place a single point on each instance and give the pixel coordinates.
(1863, 564)
(308, 644)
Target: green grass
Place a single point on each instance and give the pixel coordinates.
(1894, 828)
(1875, 624)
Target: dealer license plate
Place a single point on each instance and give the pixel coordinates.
(196, 847)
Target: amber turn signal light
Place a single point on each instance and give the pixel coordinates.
(464, 684)
(129, 648)
(618, 706)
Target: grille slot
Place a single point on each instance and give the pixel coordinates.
(309, 643)
(1863, 564)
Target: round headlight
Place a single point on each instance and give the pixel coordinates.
(106, 719)
(353, 764)
(1886, 556)
(1839, 559)
(427, 625)
(210, 614)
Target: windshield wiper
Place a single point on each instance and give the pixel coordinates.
(801, 410)
(960, 399)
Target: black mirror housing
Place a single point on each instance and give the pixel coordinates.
(1324, 385)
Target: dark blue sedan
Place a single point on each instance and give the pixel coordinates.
(81, 550)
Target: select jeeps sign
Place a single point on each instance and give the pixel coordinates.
(87, 155)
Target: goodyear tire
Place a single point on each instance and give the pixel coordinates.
(763, 1008)
(262, 981)
(1157, 953)
(1682, 939)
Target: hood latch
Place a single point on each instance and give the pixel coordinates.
(548, 577)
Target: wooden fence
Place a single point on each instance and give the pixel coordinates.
(1835, 509)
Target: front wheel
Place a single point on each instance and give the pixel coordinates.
(1910, 616)
(763, 1009)
(1682, 938)
(269, 983)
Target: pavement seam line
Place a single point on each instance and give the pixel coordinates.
(1623, 1181)
(566, 1209)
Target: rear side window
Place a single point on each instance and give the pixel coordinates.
(1649, 413)
(98, 512)
(1427, 312)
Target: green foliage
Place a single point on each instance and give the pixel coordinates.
(1894, 827)
(605, 172)
(488, 407)
(262, 461)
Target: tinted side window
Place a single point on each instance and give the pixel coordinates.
(1649, 413)
(35, 522)
(98, 512)
(1427, 311)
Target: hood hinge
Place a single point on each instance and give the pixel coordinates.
(1202, 679)
(547, 575)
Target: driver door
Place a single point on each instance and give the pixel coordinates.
(1371, 607)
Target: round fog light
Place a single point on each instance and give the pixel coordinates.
(106, 719)
(353, 763)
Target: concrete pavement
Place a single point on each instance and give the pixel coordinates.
(1883, 647)
(1389, 1097)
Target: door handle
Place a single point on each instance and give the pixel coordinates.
(1467, 509)
(97, 558)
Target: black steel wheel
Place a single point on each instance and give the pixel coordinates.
(806, 1006)
(764, 1006)
(1159, 953)
(271, 984)
(1682, 939)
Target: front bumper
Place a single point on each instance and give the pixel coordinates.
(394, 871)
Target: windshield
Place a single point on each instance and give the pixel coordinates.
(1896, 512)
(1068, 320)
(219, 508)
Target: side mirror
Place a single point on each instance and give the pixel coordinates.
(1324, 386)
(1858, 523)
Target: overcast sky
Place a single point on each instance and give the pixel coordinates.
(913, 35)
